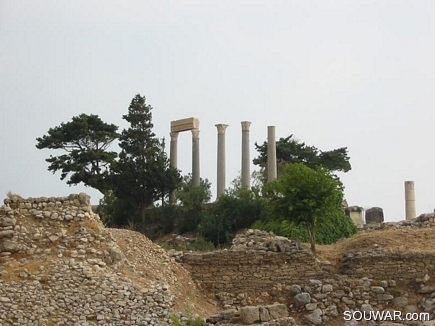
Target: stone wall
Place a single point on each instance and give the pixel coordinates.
(252, 272)
(60, 266)
(379, 265)
(259, 267)
(422, 221)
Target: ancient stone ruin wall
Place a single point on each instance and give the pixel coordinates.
(258, 268)
(252, 272)
(378, 265)
(422, 221)
(60, 266)
(54, 212)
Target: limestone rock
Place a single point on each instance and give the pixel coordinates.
(315, 317)
(277, 311)
(295, 289)
(399, 302)
(302, 299)
(7, 221)
(250, 314)
(116, 254)
(264, 314)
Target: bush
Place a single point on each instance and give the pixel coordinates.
(229, 214)
(329, 230)
(115, 212)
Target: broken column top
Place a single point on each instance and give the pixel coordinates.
(184, 124)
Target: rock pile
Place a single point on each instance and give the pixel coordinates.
(274, 314)
(265, 241)
(422, 221)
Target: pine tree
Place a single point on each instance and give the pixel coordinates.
(144, 174)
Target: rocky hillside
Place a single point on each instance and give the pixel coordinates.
(60, 266)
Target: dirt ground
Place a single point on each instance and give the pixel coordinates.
(393, 240)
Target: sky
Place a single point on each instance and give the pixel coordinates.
(355, 74)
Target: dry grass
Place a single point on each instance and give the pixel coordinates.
(14, 268)
(393, 240)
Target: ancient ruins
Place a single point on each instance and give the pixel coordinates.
(61, 266)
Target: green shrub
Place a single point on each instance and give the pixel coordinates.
(229, 214)
(329, 230)
(115, 212)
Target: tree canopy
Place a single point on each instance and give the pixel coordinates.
(290, 150)
(304, 196)
(86, 139)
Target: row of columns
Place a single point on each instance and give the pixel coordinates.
(246, 161)
(246, 158)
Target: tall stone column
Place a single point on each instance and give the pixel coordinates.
(410, 200)
(246, 173)
(271, 153)
(173, 158)
(221, 159)
(195, 158)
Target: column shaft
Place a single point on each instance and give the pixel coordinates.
(221, 160)
(271, 154)
(195, 158)
(410, 200)
(246, 164)
(173, 159)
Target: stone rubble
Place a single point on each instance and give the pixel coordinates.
(422, 221)
(60, 266)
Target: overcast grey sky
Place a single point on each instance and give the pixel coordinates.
(356, 74)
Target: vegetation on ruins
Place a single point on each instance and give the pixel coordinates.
(304, 202)
(193, 200)
(86, 139)
(229, 214)
(304, 196)
(330, 228)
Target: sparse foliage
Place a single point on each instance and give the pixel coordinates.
(86, 139)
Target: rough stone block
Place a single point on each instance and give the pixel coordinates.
(277, 311)
(250, 314)
(302, 299)
(264, 314)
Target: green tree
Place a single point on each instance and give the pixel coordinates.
(191, 196)
(305, 196)
(143, 171)
(290, 150)
(86, 140)
(192, 200)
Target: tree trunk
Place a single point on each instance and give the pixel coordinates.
(312, 234)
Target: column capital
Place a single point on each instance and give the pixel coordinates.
(174, 135)
(195, 132)
(246, 125)
(221, 128)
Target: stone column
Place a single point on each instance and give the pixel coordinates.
(221, 159)
(271, 153)
(195, 158)
(410, 200)
(246, 173)
(173, 158)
